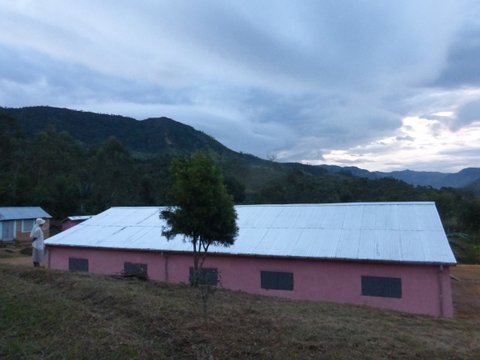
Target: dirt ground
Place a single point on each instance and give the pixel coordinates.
(21, 260)
(12, 254)
(466, 291)
(465, 283)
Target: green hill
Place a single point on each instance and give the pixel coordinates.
(163, 136)
(147, 139)
(150, 136)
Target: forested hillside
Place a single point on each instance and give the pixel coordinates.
(150, 136)
(92, 171)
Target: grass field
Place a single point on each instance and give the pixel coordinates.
(55, 315)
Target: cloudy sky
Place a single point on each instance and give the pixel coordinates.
(382, 85)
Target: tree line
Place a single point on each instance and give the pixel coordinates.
(66, 177)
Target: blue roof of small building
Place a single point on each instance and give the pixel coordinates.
(408, 232)
(22, 213)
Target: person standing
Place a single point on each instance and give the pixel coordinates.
(36, 235)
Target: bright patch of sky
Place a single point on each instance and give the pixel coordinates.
(381, 85)
(429, 142)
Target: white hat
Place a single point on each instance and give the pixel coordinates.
(40, 221)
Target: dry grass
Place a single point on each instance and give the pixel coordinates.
(14, 250)
(466, 291)
(55, 315)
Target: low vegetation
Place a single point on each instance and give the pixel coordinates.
(56, 315)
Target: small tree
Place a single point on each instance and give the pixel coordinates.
(202, 210)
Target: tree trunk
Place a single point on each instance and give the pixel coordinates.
(195, 276)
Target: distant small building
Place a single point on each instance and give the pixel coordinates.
(17, 222)
(388, 255)
(71, 221)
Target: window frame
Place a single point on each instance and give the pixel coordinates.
(208, 276)
(135, 268)
(73, 264)
(23, 225)
(277, 280)
(381, 286)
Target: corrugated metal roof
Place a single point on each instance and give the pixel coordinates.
(403, 232)
(22, 212)
(77, 218)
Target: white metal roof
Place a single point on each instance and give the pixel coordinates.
(22, 212)
(77, 218)
(403, 232)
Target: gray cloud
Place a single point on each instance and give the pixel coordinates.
(298, 79)
(467, 114)
(48, 79)
(405, 138)
(462, 66)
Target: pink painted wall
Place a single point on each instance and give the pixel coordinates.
(336, 281)
(67, 224)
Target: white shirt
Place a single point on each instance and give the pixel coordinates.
(38, 234)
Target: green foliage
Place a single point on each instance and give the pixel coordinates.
(235, 188)
(115, 178)
(66, 177)
(10, 136)
(201, 210)
(470, 214)
(150, 136)
(465, 247)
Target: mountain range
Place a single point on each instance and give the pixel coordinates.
(464, 178)
(155, 136)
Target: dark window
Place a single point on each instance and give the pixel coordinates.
(27, 225)
(135, 269)
(382, 286)
(276, 280)
(206, 276)
(77, 264)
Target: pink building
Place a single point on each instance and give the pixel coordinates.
(71, 221)
(388, 255)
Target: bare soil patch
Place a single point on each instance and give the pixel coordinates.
(466, 291)
(15, 254)
(20, 260)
